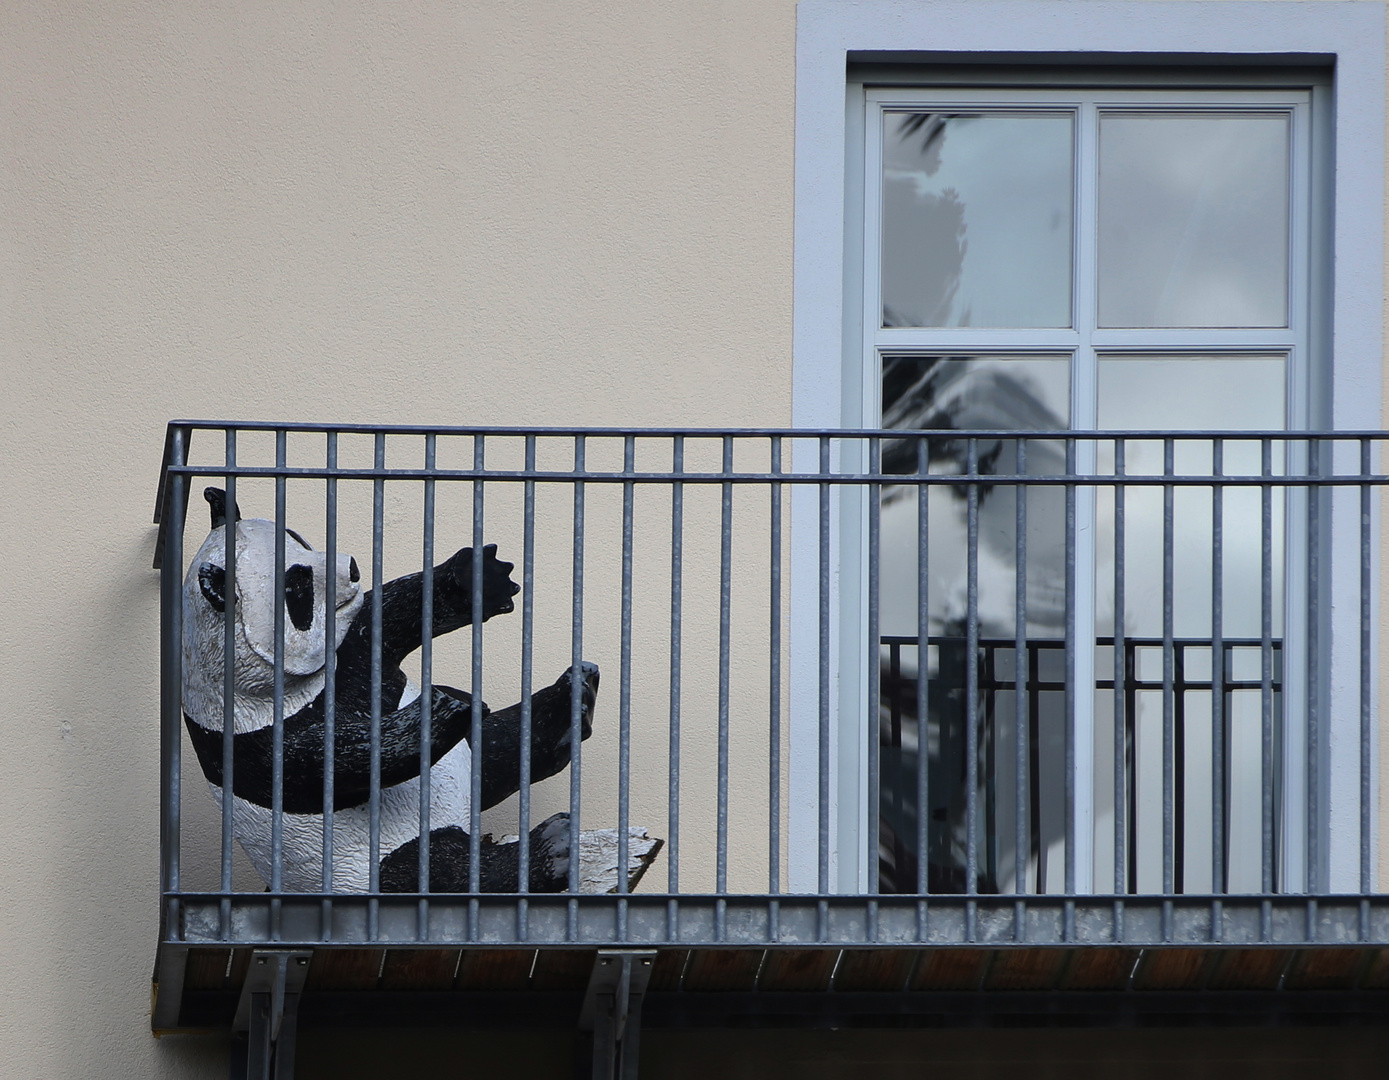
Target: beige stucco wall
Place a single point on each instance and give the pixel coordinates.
(463, 213)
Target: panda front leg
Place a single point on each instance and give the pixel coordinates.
(499, 869)
(551, 734)
(402, 605)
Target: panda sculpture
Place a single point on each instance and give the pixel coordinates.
(305, 595)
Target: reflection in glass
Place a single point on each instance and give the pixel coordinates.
(976, 219)
(1193, 227)
(1183, 393)
(952, 393)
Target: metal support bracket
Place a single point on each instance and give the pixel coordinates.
(267, 1015)
(612, 1010)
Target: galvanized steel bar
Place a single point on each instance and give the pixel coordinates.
(378, 511)
(1366, 702)
(725, 631)
(1219, 826)
(759, 432)
(923, 658)
(677, 555)
(757, 479)
(774, 682)
(1072, 690)
(1120, 710)
(171, 683)
(971, 679)
(1313, 746)
(330, 678)
(823, 788)
(1266, 666)
(277, 737)
(475, 735)
(523, 849)
(228, 685)
(874, 673)
(624, 735)
(576, 644)
(1169, 761)
(426, 679)
(1021, 839)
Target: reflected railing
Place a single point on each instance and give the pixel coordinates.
(1038, 785)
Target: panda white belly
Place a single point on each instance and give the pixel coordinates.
(449, 804)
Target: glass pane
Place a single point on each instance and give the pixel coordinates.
(953, 393)
(1187, 393)
(1193, 219)
(1182, 394)
(976, 219)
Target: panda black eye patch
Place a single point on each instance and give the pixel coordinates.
(213, 582)
(299, 595)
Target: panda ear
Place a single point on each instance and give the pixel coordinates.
(213, 582)
(217, 499)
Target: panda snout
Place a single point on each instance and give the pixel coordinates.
(353, 574)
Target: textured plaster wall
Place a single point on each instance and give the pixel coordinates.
(465, 213)
(536, 212)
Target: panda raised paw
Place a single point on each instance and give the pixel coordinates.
(497, 586)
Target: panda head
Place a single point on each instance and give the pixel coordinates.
(304, 597)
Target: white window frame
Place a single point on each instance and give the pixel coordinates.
(828, 344)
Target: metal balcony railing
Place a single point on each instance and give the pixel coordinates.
(1188, 755)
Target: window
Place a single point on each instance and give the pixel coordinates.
(1085, 257)
(1170, 262)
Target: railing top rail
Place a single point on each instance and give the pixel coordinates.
(312, 427)
(168, 467)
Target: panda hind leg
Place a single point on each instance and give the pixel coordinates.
(450, 861)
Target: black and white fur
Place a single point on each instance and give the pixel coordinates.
(304, 659)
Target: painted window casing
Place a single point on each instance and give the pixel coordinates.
(1103, 44)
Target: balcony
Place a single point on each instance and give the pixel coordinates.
(1174, 793)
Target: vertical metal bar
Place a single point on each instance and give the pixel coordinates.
(171, 671)
(330, 679)
(475, 740)
(774, 684)
(677, 555)
(575, 700)
(1219, 829)
(1313, 748)
(923, 668)
(426, 678)
(1366, 717)
(1120, 726)
(1266, 650)
(228, 686)
(1020, 777)
(875, 454)
(378, 510)
(823, 879)
(725, 631)
(1072, 691)
(523, 851)
(624, 736)
(277, 739)
(1169, 763)
(971, 681)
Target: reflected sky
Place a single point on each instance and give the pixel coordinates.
(1193, 219)
(976, 219)
(1184, 393)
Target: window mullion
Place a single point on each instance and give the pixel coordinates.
(1083, 417)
